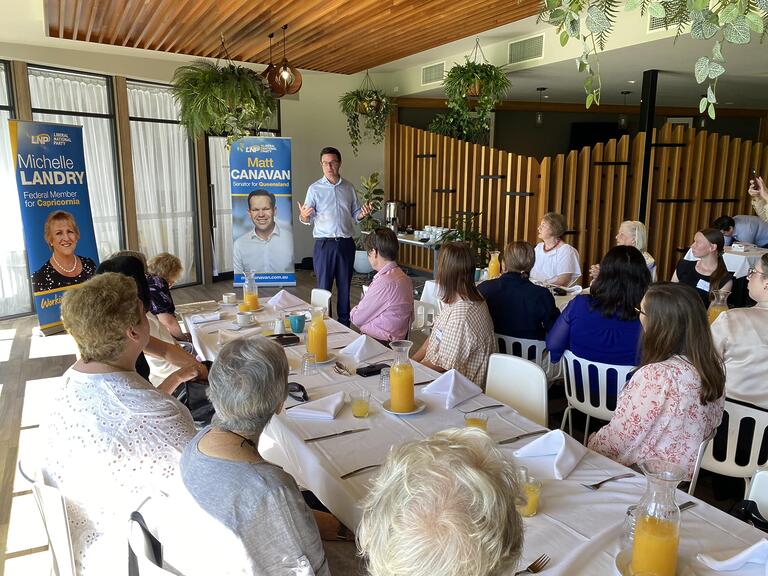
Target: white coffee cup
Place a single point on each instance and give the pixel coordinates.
(229, 298)
(244, 318)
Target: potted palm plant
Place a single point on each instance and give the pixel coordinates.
(464, 227)
(373, 194)
(222, 100)
(369, 106)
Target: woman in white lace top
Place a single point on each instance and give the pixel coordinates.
(111, 439)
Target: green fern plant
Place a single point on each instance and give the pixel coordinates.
(374, 107)
(222, 100)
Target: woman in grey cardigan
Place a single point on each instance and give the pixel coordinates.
(254, 500)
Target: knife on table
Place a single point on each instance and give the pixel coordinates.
(343, 433)
(521, 436)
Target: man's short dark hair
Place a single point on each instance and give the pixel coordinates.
(330, 150)
(384, 241)
(724, 223)
(255, 193)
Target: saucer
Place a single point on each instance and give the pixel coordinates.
(222, 303)
(624, 559)
(420, 407)
(249, 325)
(331, 358)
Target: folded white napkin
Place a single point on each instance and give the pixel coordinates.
(567, 451)
(733, 560)
(362, 348)
(456, 387)
(205, 317)
(285, 299)
(323, 409)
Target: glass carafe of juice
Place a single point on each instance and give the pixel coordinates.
(494, 266)
(657, 521)
(718, 305)
(251, 291)
(317, 335)
(401, 378)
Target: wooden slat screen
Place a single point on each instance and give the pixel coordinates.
(594, 188)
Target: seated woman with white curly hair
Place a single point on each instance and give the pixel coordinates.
(444, 505)
(222, 469)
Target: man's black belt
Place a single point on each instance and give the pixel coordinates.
(334, 238)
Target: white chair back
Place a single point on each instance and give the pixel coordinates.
(54, 513)
(699, 458)
(740, 437)
(519, 383)
(533, 350)
(424, 315)
(758, 491)
(580, 375)
(141, 545)
(320, 297)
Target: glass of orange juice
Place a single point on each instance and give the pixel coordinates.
(528, 504)
(476, 420)
(361, 401)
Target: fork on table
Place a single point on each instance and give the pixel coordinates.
(488, 407)
(535, 566)
(596, 485)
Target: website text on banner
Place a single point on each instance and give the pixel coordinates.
(55, 210)
(262, 229)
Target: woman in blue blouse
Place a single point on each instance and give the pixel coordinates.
(604, 326)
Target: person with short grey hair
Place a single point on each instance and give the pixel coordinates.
(444, 505)
(225, 474)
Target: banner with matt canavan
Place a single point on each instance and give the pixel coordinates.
(262, 229)
(55, 210)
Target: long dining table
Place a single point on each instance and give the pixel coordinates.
(580, 529)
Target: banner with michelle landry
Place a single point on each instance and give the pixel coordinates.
(262, 226)
(49, 163)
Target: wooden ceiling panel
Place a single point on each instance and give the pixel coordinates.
(327, 35)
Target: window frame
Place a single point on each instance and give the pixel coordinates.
(110, 115)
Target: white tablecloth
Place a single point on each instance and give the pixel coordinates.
(580, 529)
(737, 262)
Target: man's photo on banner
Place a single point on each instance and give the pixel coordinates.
(264, 238)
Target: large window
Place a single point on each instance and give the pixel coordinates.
(85, 100)
(15, 297)
(163, 172)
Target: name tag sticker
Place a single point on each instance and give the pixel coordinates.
(438, 334)
(703, 285)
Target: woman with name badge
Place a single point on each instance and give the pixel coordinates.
(708, 272)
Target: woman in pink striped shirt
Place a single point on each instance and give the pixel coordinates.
(386, 309)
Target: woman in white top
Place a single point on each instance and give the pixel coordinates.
(631, 233)
(741, 336)
(111, 439)
(556, 262)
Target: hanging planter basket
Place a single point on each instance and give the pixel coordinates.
(370, 104)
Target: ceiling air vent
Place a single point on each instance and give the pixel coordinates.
(655, 24)
(526, 49)
(433, 73)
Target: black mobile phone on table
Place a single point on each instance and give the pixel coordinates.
(371, 370)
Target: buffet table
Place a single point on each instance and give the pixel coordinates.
(580, 529)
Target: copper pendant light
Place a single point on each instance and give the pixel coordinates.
(285, 79)
(269, 72)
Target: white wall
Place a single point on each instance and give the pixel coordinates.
(311, 118)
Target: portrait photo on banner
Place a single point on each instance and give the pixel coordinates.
(262, 229)
(49, 163)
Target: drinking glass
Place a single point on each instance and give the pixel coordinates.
(308, 365)
(476, 420)
(360, 403)
(384, 380)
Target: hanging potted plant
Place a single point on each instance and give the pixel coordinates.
(221, 100)
(370, 104)
(375, 195)
(472, 90)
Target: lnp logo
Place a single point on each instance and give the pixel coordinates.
(40, 138)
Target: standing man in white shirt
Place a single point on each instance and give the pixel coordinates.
(332, 206)
(268, 246)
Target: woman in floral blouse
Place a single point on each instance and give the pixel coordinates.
(675, 399)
